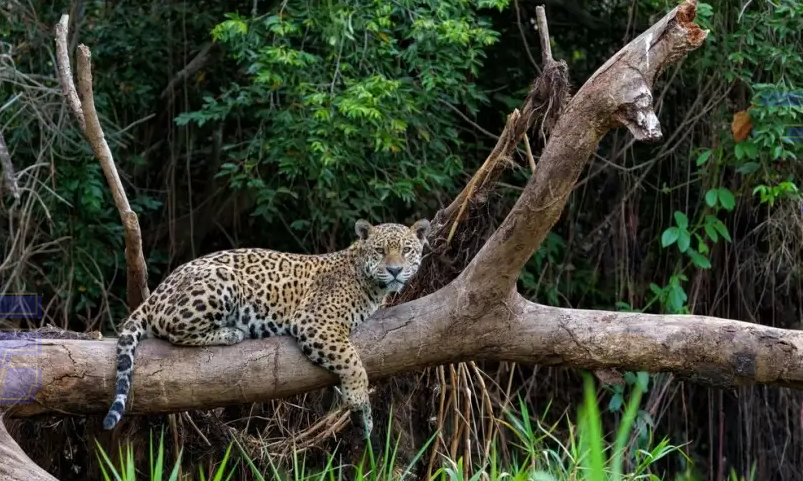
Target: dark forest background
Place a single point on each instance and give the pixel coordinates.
(278, 124)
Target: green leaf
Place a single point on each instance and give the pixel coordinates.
(702, 247)
(615, 403)
(703, 158)
(624, 306)
(711, 198)
(748, 168)
(750, 150)
(681, 220)
(698, 260)
(669, 236)
(726, 198)
(644, 380)
(739, 151)
(722, 229)
(677, 297)
(712, 233)
(684, 241)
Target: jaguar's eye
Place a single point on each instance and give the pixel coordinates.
(380, 251)
(407, 250)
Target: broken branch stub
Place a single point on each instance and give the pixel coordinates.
(137, 273)
(65, 71)
(82, 104)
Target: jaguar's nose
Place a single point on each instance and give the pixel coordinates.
(394, 271)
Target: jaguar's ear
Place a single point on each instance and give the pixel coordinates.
(421, 229)
(363, 228)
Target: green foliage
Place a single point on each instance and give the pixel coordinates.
(73, 237)
(538, 454)
(126, 470)
(348, 105)
(764, 47)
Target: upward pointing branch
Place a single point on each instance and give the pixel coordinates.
(84, 111)
(618, 94)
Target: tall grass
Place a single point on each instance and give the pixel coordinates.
(539, 455)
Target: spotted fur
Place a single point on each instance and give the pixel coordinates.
(225, 297)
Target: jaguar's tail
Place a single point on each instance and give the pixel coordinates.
(132, 332)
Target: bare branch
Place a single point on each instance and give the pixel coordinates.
(9, 177)
(83, 109)
(137, 289)
(65, 72)
(529, 152)
(543, 31)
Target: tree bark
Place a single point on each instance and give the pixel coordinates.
(78, 376)
(14, 464)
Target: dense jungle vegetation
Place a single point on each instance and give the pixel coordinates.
(278, 124)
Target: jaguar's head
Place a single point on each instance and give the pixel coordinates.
(390, 254)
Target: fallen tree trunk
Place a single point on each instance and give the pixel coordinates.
(79, 375)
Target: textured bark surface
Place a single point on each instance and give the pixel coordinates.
(78, 376)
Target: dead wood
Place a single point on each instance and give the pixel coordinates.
(79, 375)
(618, 94)
(15, 465)
(65, 72)
(9, 176)
(87, 116)
(459, 230)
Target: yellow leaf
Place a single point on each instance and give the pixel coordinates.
(741, 125)
(383, 36)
